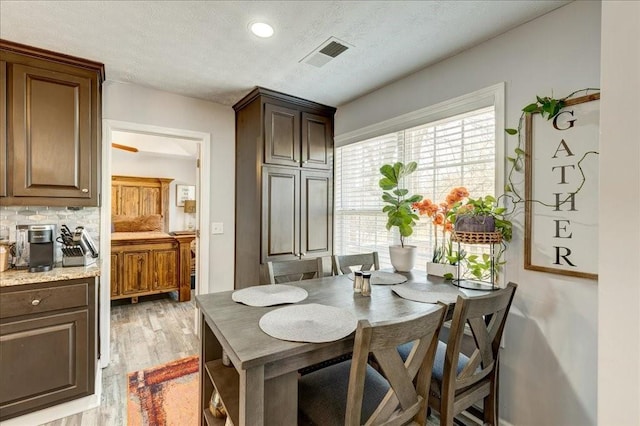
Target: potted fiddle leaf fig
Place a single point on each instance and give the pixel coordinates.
(398, 205)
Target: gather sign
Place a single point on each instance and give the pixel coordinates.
(561, 190)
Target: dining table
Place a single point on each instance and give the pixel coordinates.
(256, 375)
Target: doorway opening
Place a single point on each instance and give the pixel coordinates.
(163, 151)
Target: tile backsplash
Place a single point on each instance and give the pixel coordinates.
(10, 216)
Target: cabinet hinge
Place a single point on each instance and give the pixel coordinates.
(198, 163)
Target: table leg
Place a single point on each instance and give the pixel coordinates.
(281, 400)
(252, 397)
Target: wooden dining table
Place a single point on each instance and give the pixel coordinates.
(259, 383)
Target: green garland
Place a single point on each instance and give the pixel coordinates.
(548, 107)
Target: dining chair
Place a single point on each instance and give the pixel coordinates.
(475, 376)
(365, 261)
(348, 392)
(294, 270)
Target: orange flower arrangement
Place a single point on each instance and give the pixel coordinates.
(439, 214)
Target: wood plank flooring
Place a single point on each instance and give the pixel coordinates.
(154, 331)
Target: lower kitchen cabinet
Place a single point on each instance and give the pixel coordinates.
(47, 344)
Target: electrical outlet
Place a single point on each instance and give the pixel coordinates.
(217, 228)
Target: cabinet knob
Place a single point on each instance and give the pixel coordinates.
(303, 254)
(305, 161)
(85, 190)
(35, 302)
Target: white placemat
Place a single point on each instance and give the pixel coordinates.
(311, 322)
(384, 278)
(428, 293)
(269, 295)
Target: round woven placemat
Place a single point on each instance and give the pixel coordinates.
(269, 295)
(311, 322)
(428, 293)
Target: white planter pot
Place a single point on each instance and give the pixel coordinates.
(403, 258)
(441, 269)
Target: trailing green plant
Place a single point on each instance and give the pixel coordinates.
(398, 201)
(548, 107)
(479, 266)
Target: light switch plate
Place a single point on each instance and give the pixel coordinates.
(217, 228)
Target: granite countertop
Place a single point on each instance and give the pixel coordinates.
(15, 277)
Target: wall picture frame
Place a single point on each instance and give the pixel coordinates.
(185, 192)
(561, 189)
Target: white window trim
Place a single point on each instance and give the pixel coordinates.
(492, 95)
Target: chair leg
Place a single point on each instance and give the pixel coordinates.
(491, 405)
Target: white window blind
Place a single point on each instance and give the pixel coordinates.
(456, 151)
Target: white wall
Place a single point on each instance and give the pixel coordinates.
(137, 104)
(549, 366)
(619, 289)
(183, 171)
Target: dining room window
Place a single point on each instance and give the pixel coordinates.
(458, 150)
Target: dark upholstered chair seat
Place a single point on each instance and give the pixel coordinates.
(438, 363)
(323, 393)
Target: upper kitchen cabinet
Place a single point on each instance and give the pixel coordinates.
(291, 131)
(50, 138)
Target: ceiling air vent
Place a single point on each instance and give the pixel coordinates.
(326, 52)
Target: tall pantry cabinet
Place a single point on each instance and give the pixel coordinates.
(284, 182)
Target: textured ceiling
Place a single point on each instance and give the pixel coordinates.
(203, 49)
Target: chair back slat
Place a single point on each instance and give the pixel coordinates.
(344, 265)
(294, 270)
(408, 380)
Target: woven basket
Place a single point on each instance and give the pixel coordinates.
(476, 237)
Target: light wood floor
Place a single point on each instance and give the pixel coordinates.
(154, 331)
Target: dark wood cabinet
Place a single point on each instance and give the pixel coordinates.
(280, 213)
(296, 215)
(47, 344)
(3, 129)
(316, 214)
(284, 181)
(52, 114)
(295, 138)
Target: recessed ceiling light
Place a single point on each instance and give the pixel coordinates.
(261, 29)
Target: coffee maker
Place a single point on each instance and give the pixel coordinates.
(40, 250)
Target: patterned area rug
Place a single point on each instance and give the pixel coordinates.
(164, 395)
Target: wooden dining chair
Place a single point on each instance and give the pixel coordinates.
(348, 392)
(294, 270)
(475, 375)
(363, 262)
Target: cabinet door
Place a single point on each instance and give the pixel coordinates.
(115, 275)
(165, 269)
(51, 134)
(45, 360)
(317, 141)
(136, 276)
(316, 214)
(280, 214)
(3, 129)
(281, 135)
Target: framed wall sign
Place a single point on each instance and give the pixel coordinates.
(561, 190)
(185, 192)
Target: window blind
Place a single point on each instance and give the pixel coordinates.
(456, 151)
